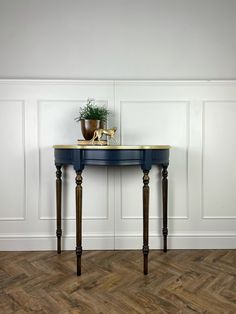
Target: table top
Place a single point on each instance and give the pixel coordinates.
(112, 147)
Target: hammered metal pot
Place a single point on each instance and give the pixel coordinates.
(89, 126)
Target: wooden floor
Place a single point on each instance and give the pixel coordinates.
(179, 281)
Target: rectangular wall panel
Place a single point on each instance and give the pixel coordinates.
(218, 159)
(12, 157)
(56, 124)
(156, 123)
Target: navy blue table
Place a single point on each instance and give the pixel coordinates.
(81, 156)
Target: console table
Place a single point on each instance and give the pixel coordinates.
(81, 156)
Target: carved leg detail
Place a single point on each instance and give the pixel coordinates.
(58, 200)
(165, 197)
(145, 221)
(78, 196)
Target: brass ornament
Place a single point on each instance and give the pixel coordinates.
(100, 132)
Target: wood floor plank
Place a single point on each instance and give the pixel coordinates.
(180, 281)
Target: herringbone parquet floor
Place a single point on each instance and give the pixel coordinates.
(180, 281)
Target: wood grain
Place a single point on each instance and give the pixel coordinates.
(180, 281)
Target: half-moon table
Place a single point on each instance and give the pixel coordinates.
(81, 156)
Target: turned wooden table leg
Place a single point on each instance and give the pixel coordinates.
(78, 197)
(58, 201)
(145, 220)
(165, 198)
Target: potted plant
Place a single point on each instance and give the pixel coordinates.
(92, 117)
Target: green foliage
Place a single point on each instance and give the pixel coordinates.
(92, 111)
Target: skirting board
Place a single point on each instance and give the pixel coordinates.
(121, 242)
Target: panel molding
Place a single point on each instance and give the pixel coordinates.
(24, 205)
(40, 216)
(48, 82)
(203, 215)
(187, 103)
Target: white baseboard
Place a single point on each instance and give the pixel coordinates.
(120, 242)
(49, 242)
(179, 241)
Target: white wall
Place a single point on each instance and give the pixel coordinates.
(197, 118)
(118, 39)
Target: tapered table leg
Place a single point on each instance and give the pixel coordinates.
(145, 220)
(78, 197)
(165, 198)
(58, 201)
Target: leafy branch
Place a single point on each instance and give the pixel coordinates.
(92, 111)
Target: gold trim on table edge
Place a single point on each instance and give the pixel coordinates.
(112, 146)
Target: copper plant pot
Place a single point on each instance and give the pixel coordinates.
(89, 126)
